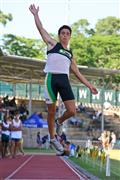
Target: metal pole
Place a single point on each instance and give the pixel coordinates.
(68, 12)
(102, 107)
(30, 98)
(14, 89)
(0, 88)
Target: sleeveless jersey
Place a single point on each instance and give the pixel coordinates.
(6, 125)
(16, 134)
(58, 60)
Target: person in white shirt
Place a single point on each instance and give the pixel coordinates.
(16, 134)
(5, 136)
(113, 140)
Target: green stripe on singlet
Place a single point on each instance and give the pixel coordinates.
(49, 88)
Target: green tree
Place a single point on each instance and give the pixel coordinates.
(97, 50)
(82, 27)
(107, 26)
(21, 46)
(4, 18)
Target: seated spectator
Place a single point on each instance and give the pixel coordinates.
(23, 111)
(67, 148)
(79, 122)
(98, 114)
(63, 138)
(6, 101)
(73, 121)
(45, 141)
(12, 102)
(72, 149)
(81, 108)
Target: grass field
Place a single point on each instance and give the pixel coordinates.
(91, 166)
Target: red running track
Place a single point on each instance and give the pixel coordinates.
(37, 167)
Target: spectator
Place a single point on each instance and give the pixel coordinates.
(98, 114)
(12, 103)
(72, 149)
(88, 144)
(77, 151)
(13, 106)
(5, 135)
(6, 101)
(38, 139)
(113, 140)
(23, 111)
(67, 148)
(81, 108)
(80, 122)
(105, 139)
(46, 141)
(16, 134)
(73, 120)
(1, 106)
(63, 137)
(1, 103)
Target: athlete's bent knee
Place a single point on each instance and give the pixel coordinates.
(72, 112)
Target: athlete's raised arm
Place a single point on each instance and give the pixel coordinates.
(44, 34)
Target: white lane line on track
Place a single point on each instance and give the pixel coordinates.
(14, 172)
(78, 174)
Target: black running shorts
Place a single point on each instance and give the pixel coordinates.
(57, 83)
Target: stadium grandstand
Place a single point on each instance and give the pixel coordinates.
(22, 78)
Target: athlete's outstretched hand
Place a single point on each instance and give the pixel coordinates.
(33, 9)
(93, 89)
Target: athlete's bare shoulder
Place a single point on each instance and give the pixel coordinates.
(51, 45)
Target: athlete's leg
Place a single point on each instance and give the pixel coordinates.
(70, 111)
(51, 116)
(68, 98)
(51, 97)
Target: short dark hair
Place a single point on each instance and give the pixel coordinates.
(64, 27)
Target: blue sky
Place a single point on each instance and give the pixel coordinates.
(55, 13)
